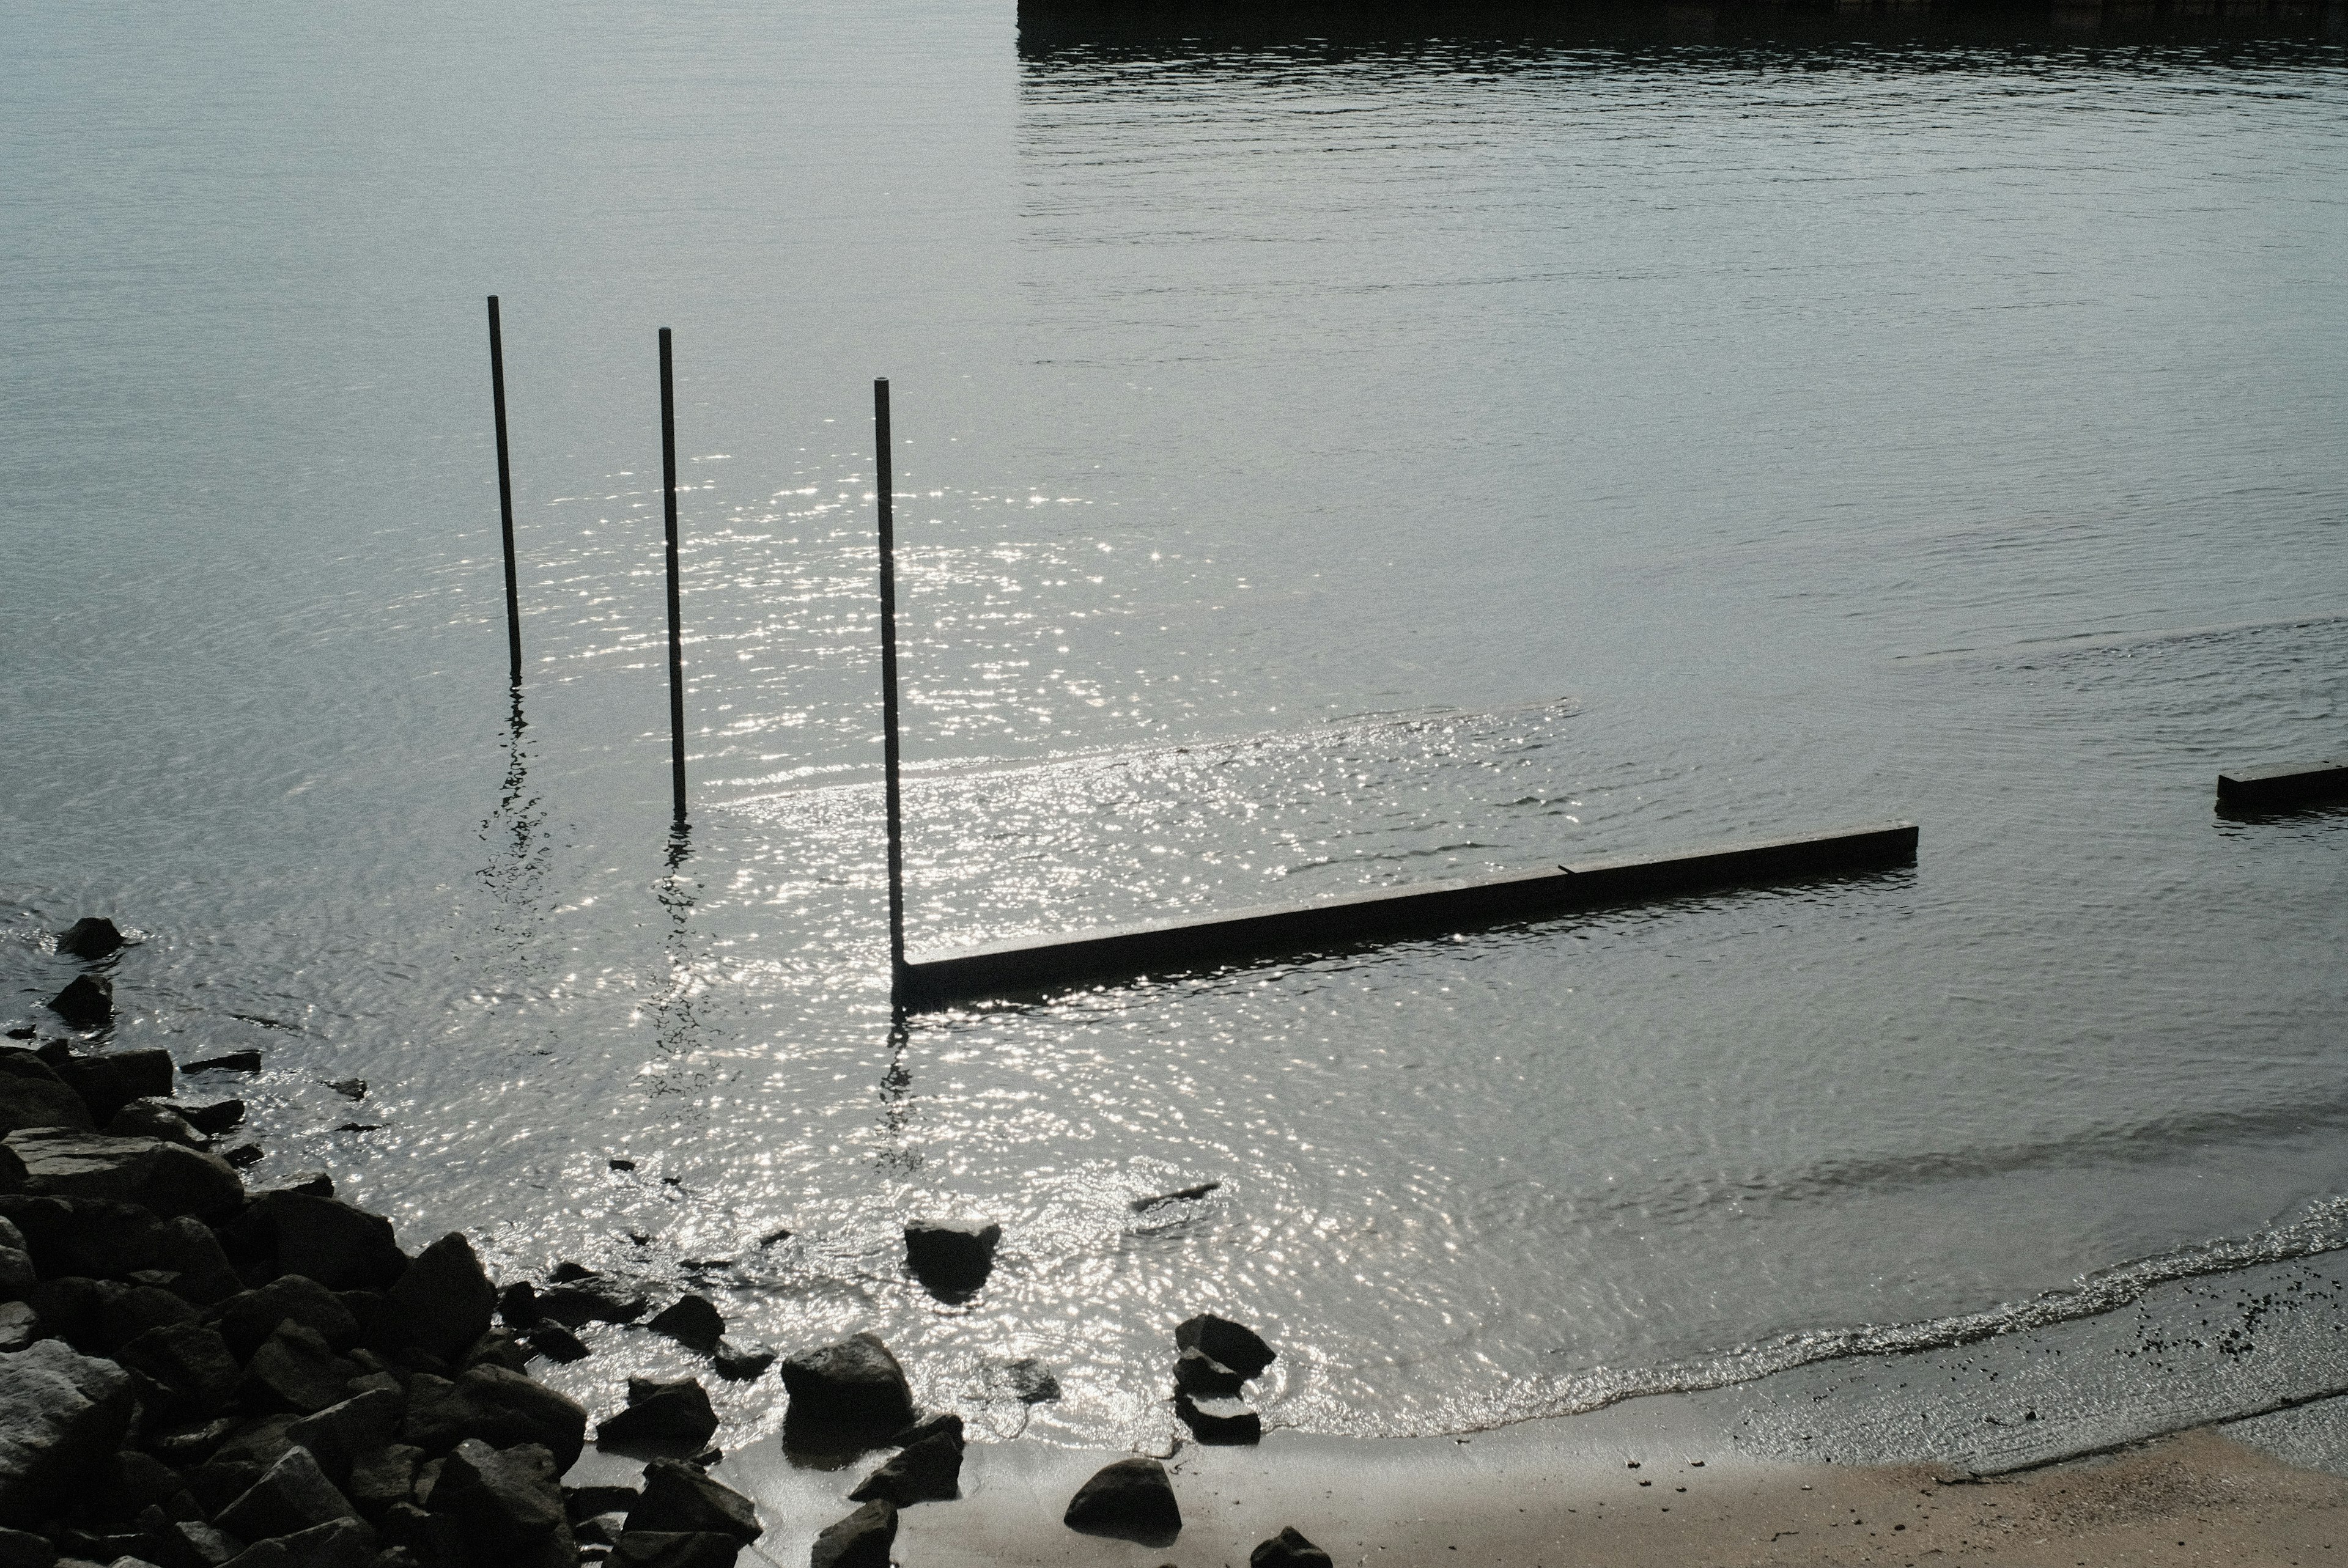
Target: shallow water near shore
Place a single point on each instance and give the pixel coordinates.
(1325, 468)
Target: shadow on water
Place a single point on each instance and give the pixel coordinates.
(519, 852)
(1500, 35)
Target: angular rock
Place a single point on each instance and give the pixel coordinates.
(131, 1313)
(111, 1080)
(162, 1177)
(339, 1434)
(556, 1343)
(926, 1427)
(678, 1497)
(338, 1543)
(32, 1095)
(294, 1370)
(218, 1482)
(1224, 1421)
(1027, 1381)
(348, 1088)
(672, 1412)
(665, 1549)
(250, 1316)
(850, 1388)
(740, 1363)
(62, 1416)
(381, 1478)
(17, 1275)
(292, 1494)
(189, 1249)
(188, 1367)
(860, 1540)
(499, 1407)
(951, 1257)
(442, 1302)
(87, 1004)
(927, 1472)
(496, 1348)
(200, 1545)
(22, 1549)
(586, 1296)
(341, 1246)
(90, 937)
(152, 1118)
(509, 1501)
(436, 1540)
(1239, 1348)
(244, 1156)
(1131, 1499)
(211, 1117)
(1288, 1549)
(98, 1237)
(19, 1326)
(1196, 1372)
(69, 1308)
(232, 1062)
(518, 1304)
(692, 1322)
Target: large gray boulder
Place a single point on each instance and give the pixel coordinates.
(250, 1316)
(952, 1258)
(1235, 1346)
(929, 1471)
(860, 1540)
(341, 1246)
(1131, 1499)
(90, 937)
(294, 1370)
(292, 1494)
(161, 1177)
(337, 1543)
(500, 1407)
(340, 1434)
(509, 1501)
(1289, 1549)
(62, 1416)
(441, 1303)
(679, 1497)
(672, 1410)
(31, 1095)
(852, 1388)
(187, 1368)
(88, 1003)
(151, 1118)
(111, 1080)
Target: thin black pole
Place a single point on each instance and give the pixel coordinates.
(676, 632)
(889, 696)
(505, 488)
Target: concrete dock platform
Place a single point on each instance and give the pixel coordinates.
(2292, 783)
(1031, 965)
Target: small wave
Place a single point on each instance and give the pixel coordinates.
(2321, 1226)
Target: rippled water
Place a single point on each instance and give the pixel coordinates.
(1325, 465)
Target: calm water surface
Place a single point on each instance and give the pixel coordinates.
(1323, 468)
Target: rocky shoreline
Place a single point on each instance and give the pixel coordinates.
(197, 1375)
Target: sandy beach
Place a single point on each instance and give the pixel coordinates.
(1563, 1493)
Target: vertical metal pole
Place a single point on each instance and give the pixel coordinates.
(505, 488)
(676, 632)
(884, 486)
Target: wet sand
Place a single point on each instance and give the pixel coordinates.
(1555, 1494)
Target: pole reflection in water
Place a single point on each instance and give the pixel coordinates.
(897, 1158)
(675, 1012)
(519, 852)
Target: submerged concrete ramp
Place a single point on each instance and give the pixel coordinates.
(1172, 947)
